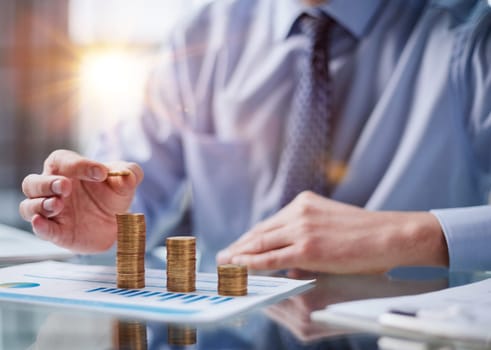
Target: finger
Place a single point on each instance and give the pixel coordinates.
(256, 241)
(282, 258)
(270, 241)
(124, 185)
(47, 207)
(250, 238)
(35, 186)
(300, 274)
(46, 229)
(275, 222)
(73, 165)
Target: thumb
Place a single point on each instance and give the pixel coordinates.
(72, 165)
(124, 184)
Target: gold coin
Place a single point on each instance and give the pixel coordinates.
(181, 335)
(130, 256)
(181, 241)
(131, 284)
(130, 335)
(232, 280)
(118, 173)
(181, 263)
(232, 268)
(180, 289)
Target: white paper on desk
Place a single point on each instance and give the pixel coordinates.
(18, 246)
(473, 302)
(94, 288)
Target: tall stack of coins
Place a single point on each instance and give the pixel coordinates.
(130, 335)
(130, 258)
(181, 264)
(181, 335)
(232, 279)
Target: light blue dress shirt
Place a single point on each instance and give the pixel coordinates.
(412, 118)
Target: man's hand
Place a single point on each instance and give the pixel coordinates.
(318, 234)
(73, 202)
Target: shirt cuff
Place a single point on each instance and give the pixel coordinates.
(468, 234)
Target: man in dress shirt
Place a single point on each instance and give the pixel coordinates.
(411, 143)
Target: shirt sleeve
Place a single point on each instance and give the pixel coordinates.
(468, 230)
(468, 235)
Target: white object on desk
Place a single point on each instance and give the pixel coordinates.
(94, 288)
(460, 314)
(18, 246)
(387, 343)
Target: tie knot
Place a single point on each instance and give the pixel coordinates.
(315, 27)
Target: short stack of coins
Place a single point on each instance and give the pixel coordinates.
(130, 335)
(181, 264)
(130, 257)
(181, 335)
(232, 279)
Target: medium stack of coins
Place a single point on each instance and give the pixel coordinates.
(130, 335)
(181, 335)
(130, 258)
(181, 264)
(232, 279)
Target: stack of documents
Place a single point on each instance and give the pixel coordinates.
(461, 314)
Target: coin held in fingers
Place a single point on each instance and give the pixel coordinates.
(118, 173)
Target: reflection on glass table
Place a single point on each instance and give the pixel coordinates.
(285, 325)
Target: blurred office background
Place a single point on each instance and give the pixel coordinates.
(67, 68)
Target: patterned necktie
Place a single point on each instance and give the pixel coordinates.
(304, 159)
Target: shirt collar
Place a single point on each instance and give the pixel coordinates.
(354, 15)
(459, 8)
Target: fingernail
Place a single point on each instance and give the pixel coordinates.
(96, 173)
(49, 204)
(56, 187)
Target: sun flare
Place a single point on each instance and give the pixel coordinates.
(109, 74)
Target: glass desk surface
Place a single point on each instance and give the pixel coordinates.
(285, 325)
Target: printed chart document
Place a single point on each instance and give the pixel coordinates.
(18, 246)
(94, 287)
(460, 314)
